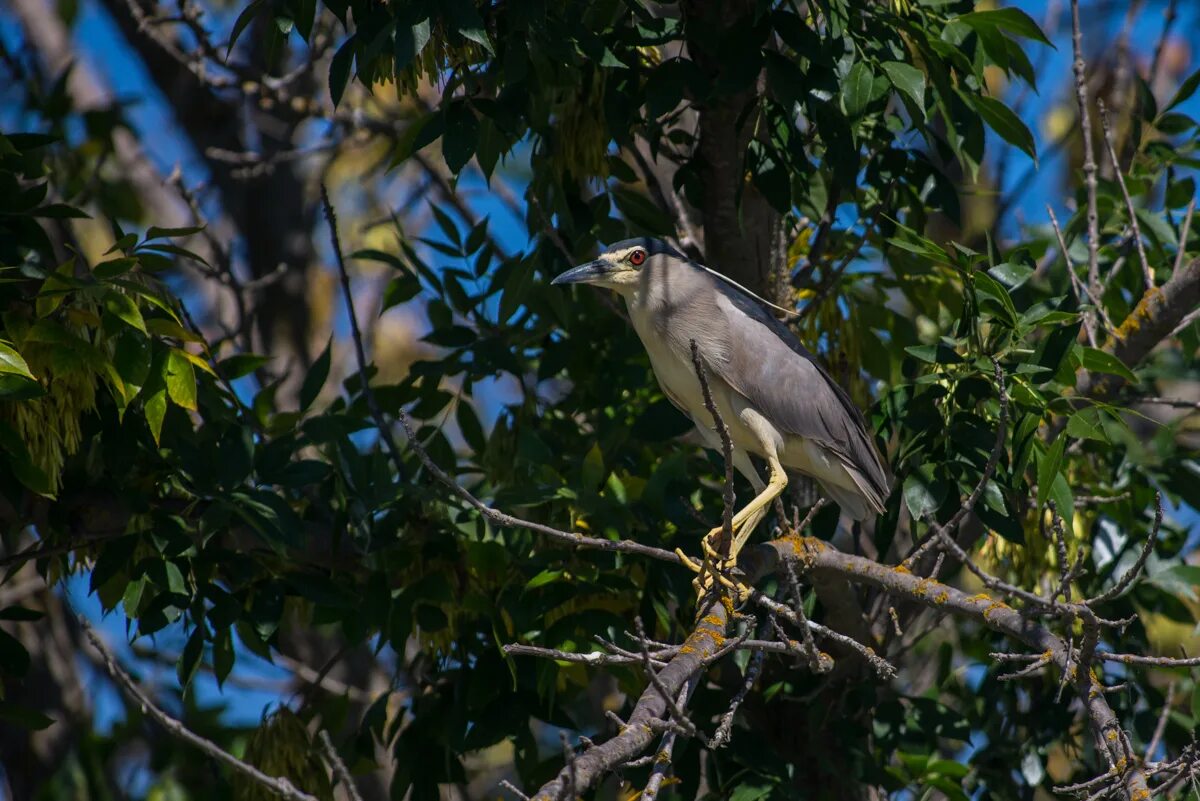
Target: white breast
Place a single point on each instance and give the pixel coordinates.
(678, 381)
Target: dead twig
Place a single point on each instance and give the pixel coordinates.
(1147, 270)
(339, 767)
(1089, 159)
(278, 785)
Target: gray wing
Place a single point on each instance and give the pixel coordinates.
(772, 370)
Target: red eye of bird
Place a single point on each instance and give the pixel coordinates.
(637, 257)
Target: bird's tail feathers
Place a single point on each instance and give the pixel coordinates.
(859, 502)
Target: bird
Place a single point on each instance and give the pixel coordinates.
(776, 400)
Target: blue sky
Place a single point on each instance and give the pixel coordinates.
(105, 51)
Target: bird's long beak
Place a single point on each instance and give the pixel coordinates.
(588, 273)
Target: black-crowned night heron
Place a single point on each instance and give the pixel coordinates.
(776, 400)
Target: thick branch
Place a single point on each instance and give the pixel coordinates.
(1154, 318)
(822, 559)
(651, 710)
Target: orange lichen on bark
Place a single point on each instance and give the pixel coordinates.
(1141, 314)
(994, 606)
(941, 597)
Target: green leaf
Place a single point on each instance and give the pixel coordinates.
(23, 716)
(918, 498)
(244, 19)
(465, 18)
(941, 353)
(543, 578)
(1013, 20)
(222, 655)
(18, 460)
(189, 660)
(339, 69)
(20, 613)
(1101, 361)
(156, 410)
(241, 364)
(1048, 469)
(12, 363)
(1085, 425)
(180, 379)
(113, 267)
(409, 43)
(1003, 121)
(1180, 580)
(1063, 497)
(908, 79)
(59, 211)
(1186, 90)
(315, 379)
(14, 659)
(399, 290)
(469, 425)
(458, 141)
(990, 287)
(856, 90)
(453, 336)
(125, 309)
(1011, 275)
(131, 358)
(155, 232)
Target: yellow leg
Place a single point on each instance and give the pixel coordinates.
(746, 520)
(743, 525)
(756, 510)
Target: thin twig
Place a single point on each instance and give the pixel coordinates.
(1181, 252)
(941, 533)
(339, 767)
(725, 727)
(381, 423)
(676, 712)
(1161, 727)
(1178, 403)
(512, 788)
(493, 515)
(1169, 17)
(278, 785)
(662, 757)
(1089, 159)
(881, 666)
(1129, 575)
(726, 451)
(1081, 289)
(811, 654)
(1147, 271)
(586, 658)
(1187, 320)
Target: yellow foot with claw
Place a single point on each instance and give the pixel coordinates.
(713, 566)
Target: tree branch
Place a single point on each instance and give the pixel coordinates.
(823, 559)
(1153, 319)
(1089, 158)
(278, 785)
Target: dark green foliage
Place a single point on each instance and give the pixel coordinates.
(231, 515)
